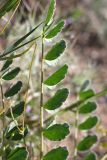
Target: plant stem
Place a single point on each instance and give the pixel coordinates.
(76, 134)
(3, 121)
(41, 99)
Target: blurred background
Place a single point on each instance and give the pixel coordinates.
(86, 54)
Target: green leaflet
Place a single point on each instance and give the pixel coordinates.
(84, 85)
(57, 76)
(14, 134)
(50, 13)
(56, 51)
(88, 123)
(86, 94)
(19, 153)
(55, 30)
(11, 74)
(10, 4)
(90, 156)
(56, 132)
(13, 89)
(60, 153)
(17, 110)
(6, 64)
(87, 108)
(87, 143)
(57, 100)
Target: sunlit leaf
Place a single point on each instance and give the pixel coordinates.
(57, 100)
(89, 123)
(56, 51)
(90, 156)
(57, 76)
(14, 134)
(50, 13)
(13, 89)
(56, 132)
(87, 108)
(17, 110)
(6, 64)
(87, 142)
(19, 153)
(55, 30)
(86, 94)
(11, 74)
(60, 153)
(10, 4)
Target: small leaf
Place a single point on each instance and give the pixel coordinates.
(89, 123)
(57, 76)
(14, 134)
(85, 85)
(55, 30)
(56, 51)
(90, 156)
(86, 94)
(19, 153)
(13, 90)
(17, 110)
(87, 143)
(11, 74)
(6, 64)
(57, 100)
(50, 13)
(57, 132)
(87, 108)
(10, 4)
(60, 153)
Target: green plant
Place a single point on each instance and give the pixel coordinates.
(14, 132)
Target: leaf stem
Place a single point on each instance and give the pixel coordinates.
(6, 25)
(41, 98)
(76, 134)
(3, 121)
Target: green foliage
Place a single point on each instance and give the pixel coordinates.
(13, 90)
(56, 132)
(19, 153)
(6, 65)
(50, 13)
(89, 123)
(16, 131)
(10, 4)
(17, 110)
(56, 51)
(57, 100)
(59, 153)
(86, 94)
(14, 134)
(11, 74)
(90, 156)
(57, 76)
(55, 30)
(87, 142)
(87, 108)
